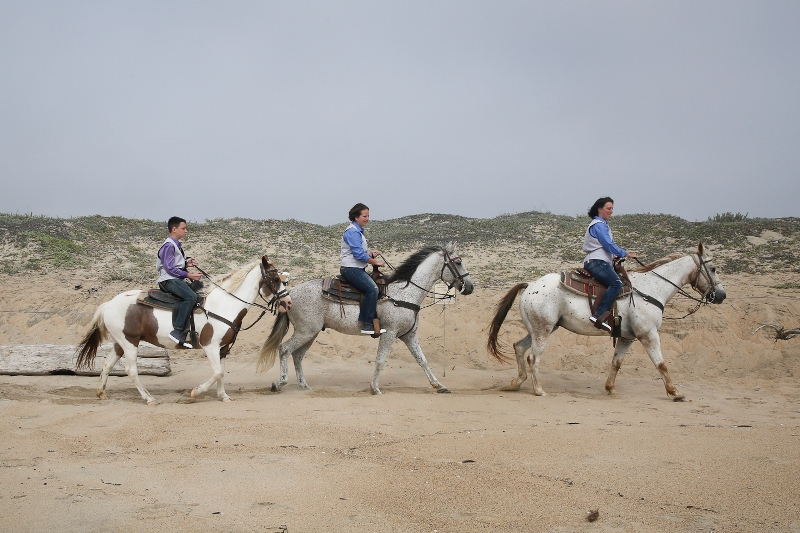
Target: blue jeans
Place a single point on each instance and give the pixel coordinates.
(358, 278)
(604, 273)
(180, 289)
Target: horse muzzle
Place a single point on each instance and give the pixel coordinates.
(284, 305)
(717, 295)
(467, 287)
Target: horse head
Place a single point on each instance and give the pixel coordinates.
(454, 272)
(274, 285)
(707, 282)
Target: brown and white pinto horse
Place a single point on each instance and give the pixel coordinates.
(546, 304)
(128, 323)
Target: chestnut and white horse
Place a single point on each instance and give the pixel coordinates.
(406, 288)
(128, 323)
(546, 304)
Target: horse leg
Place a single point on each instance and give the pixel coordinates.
(111, 360)
(520, 347)
(383, 351)
(652, 344)
(616, 362)
(412, 342)
(212, 353)
(297, 357)
(297, 345)
(538, 343)
(221, 394)
(133, 372)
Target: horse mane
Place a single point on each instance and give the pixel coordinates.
(231, 281)
(405, 271)
(658, 262)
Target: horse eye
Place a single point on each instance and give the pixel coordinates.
(714, 269)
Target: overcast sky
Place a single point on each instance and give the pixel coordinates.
(291, 109)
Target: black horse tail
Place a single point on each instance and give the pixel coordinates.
(492, 345)
(266, 357)
(87, 349)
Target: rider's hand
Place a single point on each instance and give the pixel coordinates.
(190, 262)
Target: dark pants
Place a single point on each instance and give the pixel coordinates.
(180, 289)
(604, 273)
(358, 278)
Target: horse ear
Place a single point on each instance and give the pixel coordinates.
(265, 261)
(450, 247)
(700, 248)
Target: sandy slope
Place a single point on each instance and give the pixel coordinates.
(480, 459)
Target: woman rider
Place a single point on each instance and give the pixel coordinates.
(355, 258)
(601, 249)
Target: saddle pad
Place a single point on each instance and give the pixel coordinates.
(331, 287)
(162, 300)
(577, 282)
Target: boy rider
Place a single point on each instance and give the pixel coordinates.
(172, 275)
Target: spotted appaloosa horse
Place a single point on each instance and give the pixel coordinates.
(399, 314)
(128, 323)
(546, 304)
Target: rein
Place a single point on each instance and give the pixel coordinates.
(236, 329)
(430, 292)
(703, 300)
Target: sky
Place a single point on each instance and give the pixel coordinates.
(299, 109)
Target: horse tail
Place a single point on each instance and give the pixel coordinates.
(266, 357)
(87, 349)
(493, 345)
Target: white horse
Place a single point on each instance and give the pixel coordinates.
(128, 323)
(399, 314)
(546, 304)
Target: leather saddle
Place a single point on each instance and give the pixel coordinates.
(581, 282)
(337, 289)
(164, 300)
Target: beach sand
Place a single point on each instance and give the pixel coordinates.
(479, 459)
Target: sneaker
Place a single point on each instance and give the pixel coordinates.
(368, 331)
(180, 338)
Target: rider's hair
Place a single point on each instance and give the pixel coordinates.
(174, 222)
(595, 209)
(355, 211)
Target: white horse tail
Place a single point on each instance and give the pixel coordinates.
(266, 357)
(492, 345)
(87, 349)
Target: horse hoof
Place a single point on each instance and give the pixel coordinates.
(193, 395)
(152, 402)
(443, 390)
(375, 392)
(510, 388)
(227, 399)
(680, 398)
(274, 387)
(102, 396)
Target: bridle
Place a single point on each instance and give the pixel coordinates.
(452, 263)
(270, 278)
(702, 270)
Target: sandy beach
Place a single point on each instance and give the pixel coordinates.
(480, 459)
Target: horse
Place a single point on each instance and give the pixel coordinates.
(546, 304)
(128, 323)
(406, 288)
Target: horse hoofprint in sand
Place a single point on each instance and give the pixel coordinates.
(545, 305)
(129, 323)
(409, 284)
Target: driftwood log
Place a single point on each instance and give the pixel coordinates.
(48, 359)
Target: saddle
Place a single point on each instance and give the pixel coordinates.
(163, 300)
(580, 281)
(336, 289)
(159, 299)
